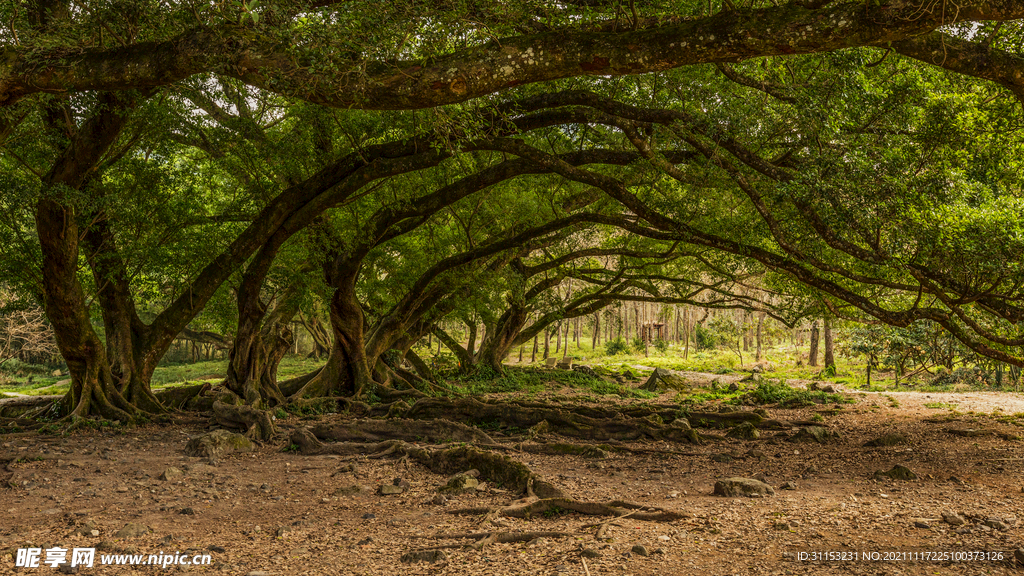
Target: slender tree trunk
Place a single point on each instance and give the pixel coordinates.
(812, 358)
(597, 331)
(686, 333)
(547, 342)
(829, 357)
(471, 339)
(760, 326)
(566, 351)
(533, 353)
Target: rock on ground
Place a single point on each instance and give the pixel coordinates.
(730, 487)
(217, 443)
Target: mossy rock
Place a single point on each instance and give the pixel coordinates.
(744, 431)
(217, 443)
(817, 434)
(897, 472)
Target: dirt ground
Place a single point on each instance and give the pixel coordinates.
(280, 513)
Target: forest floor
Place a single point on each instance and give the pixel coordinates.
(278, 512)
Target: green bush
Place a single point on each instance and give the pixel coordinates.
(617, 346)
(661, 346)
(705, 339)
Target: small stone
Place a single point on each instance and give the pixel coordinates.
(459, 484)
(170, 474)
(664, 538)
(921, 523)
(107, 546)
(640, 550)
(365, 541)
(788, 486)
(1019, 555)
(897, 472)
(187, 511)
(782, 526)
(438, 499)
(353, 490)
(86, 529)
(282, 531)
(590, 553)
(996, 524)
(730, 487)
(215, 548)
(390, 490)
(369, 516)
(217, 443)
(817, 434)
(432, 556)
(744, 431)
(722, 458)
(132, 530)
(953, 519)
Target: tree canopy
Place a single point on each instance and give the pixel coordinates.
(170, 166)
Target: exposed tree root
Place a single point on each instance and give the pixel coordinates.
(497, 468)
(701, 419)
(485, 538)
(585, 450)
(555, 420)
(176, 397)
(615, 508)
(256, 423)
(23, 405)
(370, 430)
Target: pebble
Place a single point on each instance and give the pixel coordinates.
(640, 550)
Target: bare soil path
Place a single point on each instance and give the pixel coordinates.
(281, 513)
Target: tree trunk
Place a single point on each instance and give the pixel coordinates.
(566, 351)
(812, 358)
(93, 391)
(347, 372)
(471, 341)
(533, 355)
(830, 360)
(502, 338)
(597, 331)
(760, 328)
(321, 337)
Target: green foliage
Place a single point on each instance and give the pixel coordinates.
(777, 392)
(661, 346)
(616, 346)
(705, 338)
